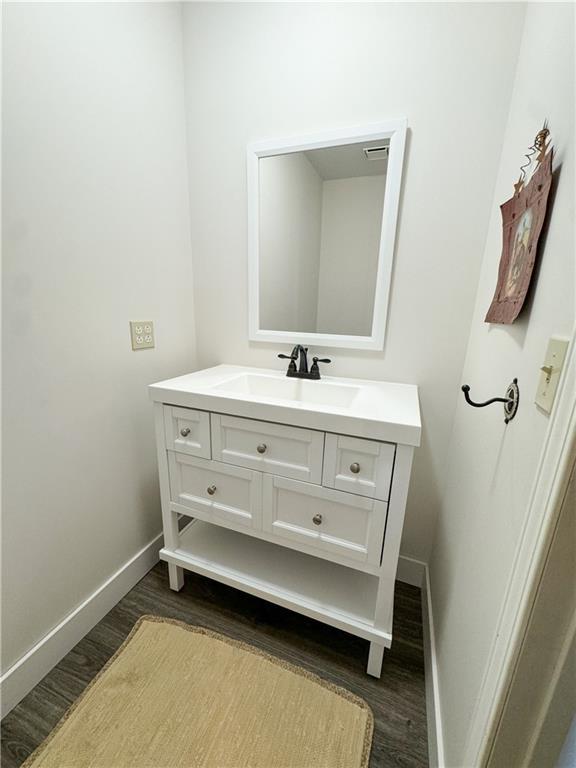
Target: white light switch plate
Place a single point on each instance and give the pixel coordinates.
(142, 334)
(549, 378)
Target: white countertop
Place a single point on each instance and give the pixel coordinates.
(371, 409)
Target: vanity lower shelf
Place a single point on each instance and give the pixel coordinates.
(332, 593)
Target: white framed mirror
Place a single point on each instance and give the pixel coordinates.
(322, 213)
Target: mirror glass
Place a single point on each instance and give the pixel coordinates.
(319, 236)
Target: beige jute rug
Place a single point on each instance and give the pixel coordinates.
(180, 696)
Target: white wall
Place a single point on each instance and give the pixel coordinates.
(490, 467)
(96, 233)
(290, 226)
(349, 246)
(275, 70)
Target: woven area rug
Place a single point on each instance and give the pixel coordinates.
(176, 696)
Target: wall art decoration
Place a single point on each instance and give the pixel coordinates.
(522, 219)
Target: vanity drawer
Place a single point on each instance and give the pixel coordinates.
(215, 492)
(187, 431)
(360, 466)
(342, 525)
(274, 448)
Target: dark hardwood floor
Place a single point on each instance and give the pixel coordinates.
(397, 699)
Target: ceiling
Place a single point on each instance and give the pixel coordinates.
(347, 161)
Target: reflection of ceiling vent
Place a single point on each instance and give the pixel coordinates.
(376, 153)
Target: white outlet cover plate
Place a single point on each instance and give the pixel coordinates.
(547, 385)
(142, 334)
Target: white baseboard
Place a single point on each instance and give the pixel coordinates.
(34, 665)
(433, 710)
(411, 571)
(415, 572)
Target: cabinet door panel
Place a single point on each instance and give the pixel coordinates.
(216, 492)
(345, 525)
(274, 448)
(187, 431)
(358, 466)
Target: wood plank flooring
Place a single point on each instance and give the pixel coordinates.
(397, 699)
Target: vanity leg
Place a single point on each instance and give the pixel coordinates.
(375, 658)
(176, 577)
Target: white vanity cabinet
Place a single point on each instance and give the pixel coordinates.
(306, 517)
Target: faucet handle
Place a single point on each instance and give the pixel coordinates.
(292, 356)
(314, 370)
(292, 364)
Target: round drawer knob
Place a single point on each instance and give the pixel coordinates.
(185, 431)
(261, 448)
(355, 468)
(317, 519)
(211, 490)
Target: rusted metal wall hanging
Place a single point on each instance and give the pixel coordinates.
(522, 220)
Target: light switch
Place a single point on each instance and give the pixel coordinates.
(142, 334)
(550, 373)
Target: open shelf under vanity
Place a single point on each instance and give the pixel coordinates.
(342, 597)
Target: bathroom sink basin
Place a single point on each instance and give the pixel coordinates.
(300, 390)
(372, 409)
